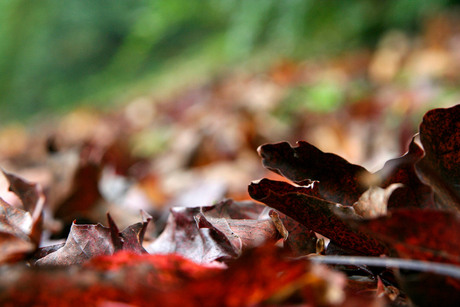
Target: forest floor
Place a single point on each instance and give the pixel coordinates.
(197, 146)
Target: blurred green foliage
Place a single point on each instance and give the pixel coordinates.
(57, 53)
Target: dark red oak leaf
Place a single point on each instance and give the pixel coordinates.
(241, 233)
(30, 194)
(83, 243)
(87, 241)
(20, 230)
(33, 201)
(429, 289)
(316, 214)
(426, 234)
(219, 232)
(261, 275)
(339, 180)
(16, 226)
(182, 236)
(440, 167)
(414, 193)
(343, 182)
(298, 239)
(85, 191)
(131, 237)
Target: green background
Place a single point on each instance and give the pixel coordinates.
(56, 54)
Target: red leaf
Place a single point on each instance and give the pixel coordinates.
(220, 232)
(31, 194)
(87, 241)
(344, 183)
(414, 193)
(298, 239)
(419, 234)
(316, 214)
(85, 192)
(440, 167)
(339, 180)
(169, 280)
(16, 227)
(33, 201)
(83, 243)
(427, 289)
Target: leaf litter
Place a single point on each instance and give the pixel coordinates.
(329, 232)
(242, 247)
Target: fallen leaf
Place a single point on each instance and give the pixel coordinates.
(418, 233)
(374, 202)
(87, 241)
(83, 243)
(261, 275)
(16, 233)
(298, 239)
(219, 232)
(428, 289)
(339, 180)
(85, 191)
(31, 194)
(440, 167)
(414, 193)
(318, 215)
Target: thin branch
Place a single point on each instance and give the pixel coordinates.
(416, 265)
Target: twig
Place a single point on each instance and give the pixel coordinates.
(416, 265)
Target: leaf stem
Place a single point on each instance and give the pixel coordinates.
(408, 264)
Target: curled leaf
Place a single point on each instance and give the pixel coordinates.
(374, 202)
(16, 226)
(414, 193)
(339, 180)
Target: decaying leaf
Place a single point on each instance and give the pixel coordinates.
(87, 241)
(409, 207)
(219, 232)
(261, 275)
(318, 215)
(31, 194)
(414, 193)
(339, 181)
(83, 243)
(298, 239)
(419, 233)
(440, 167)
(374, 202)
(20, 230)
(15, 229)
